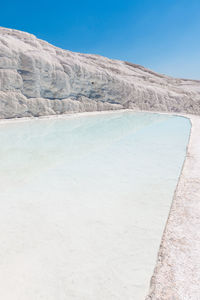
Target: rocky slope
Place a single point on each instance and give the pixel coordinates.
(37, 79)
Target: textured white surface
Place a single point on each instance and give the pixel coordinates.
(177, 273)
(37, 79)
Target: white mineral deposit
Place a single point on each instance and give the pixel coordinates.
(100, 205)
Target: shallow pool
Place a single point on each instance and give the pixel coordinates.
(83, 203)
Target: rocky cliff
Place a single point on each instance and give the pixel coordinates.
(37, 79)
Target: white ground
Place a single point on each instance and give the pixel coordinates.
(177, 274)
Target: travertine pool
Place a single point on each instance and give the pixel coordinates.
(83, 203)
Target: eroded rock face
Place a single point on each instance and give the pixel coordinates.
(38, 79)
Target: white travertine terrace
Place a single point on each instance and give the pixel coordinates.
(38, 79)
(177, 273)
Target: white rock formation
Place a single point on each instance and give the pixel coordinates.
(37, 79)
(177, 272)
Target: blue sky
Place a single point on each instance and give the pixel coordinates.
(161, 35)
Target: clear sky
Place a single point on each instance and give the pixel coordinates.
(162, 35)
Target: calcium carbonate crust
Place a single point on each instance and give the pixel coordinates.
(38, 79)
(177, 272)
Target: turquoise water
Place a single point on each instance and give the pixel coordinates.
(83, 203)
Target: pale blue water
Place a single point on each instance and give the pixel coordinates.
(83, 203)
